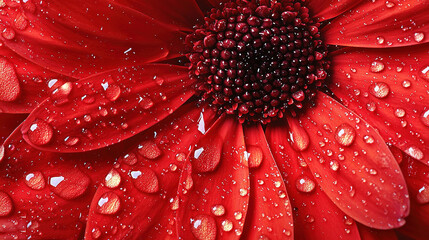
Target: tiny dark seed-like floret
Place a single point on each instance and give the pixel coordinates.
(258, 59)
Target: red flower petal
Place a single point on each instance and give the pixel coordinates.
(315, 215)
(57, 36)
(49, 193)
(107, 108)
(389, 90)
(30, 82)
(324, 9)
(363, 179)
(380, 24)
(269, 206)
(183, 13)
(8, 123)
(215, 203)
(367, 233)
(147, 207)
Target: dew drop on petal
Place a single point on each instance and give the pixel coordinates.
(377, 66)
(414, 152)
(1, 152)
(425, 118)
(256, 156)
(129, 159)
(380, 40)
(8, 33)
(9, 83)
(71, 141)
(379, 89)
(113, 92)
(423, 194)
(35, 180)
(419, 36)
(218, 210)
(238, 215)
(149, 150)
(70, 184)
(406, 84)
(6, 204)
(39, 133)
(368, 139)
(345, 134)
(334, 165)
(371, 106)
(112, 179)
(305, 184)
(204, 227)
(96, 233)
(399, 112)
(207, 156)
(109, 203)
(227, 225)
(424, 73)
(61, 95)
(390, 4)
(146, 103)
(145, 180)
(299, 138)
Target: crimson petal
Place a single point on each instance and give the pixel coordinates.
(362, 178)
(30, 82)
(107, 108)
(389, 89)
(57, 36)
(315, 215)
(45, 189)
(147, 206)
(367, 233)
(213, 201)
(269, 206)
(324, 9)
(380, 24)
(8, 123)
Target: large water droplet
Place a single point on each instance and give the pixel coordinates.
(70, 184)
(207, 157)
(6, 204)
(145, 180)
(149, 150)
(9, 83)
(414, 152)
(345, 134)
(227, 225)
(129, 159)
(377, 66)
(305, 184)
(423, 194)
(379, 89)
(109, 203)
(218, 210)
(8, 33)
(39, 133)
(146, 102)
(204, 227)
(256, 156)
(380, 40)
(112, 179)
(424, 73)
(113, 92)
(299, 138)
(35, 180)
(419, 36)
(425, 118)
(71, 141)
(399, 112)
(61, 95)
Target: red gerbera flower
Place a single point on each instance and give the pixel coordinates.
(210, 119)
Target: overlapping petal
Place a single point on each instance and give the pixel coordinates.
(379, 24)
(389, 90)
(76, 39)
(351, 162)
(324, 9)
(107, 108)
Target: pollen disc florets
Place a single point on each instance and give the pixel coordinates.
(258, 59)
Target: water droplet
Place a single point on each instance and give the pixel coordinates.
(406, 84)
(1, 152)
(9, 83)
(380, 40)
(20, 22)
(8, 33)
(113, 92)
(39, 133)
(145, 180)
(180, 157)
(174, 203)
(6, 204)
(377, 66)
(109, 203)
(112, 179)
(399, 112)
(424, 73)
(238, 215)
(146, 103)
(345, 134)
(96, 233)
(149, 150)
(414, 152)
(305, 184)
(379, 90)
(35, 180)
(218, 210)
(61, 95)
(203, 227)
(256, 156)
(207, 157)
(390, 4)
(371, 106)
(419, 36)
(368, 139)
(425, 118)
(70, 184)
(129, 159)
(243, 192)
(423, 195)
(298, 137)
(227, 225)
(71, 141)
(334, 165)
(159, 80)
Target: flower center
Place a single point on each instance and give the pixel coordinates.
(258, 59)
